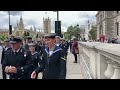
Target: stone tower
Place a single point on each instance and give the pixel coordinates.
(19, 30)
(47, 25)
(21, 24)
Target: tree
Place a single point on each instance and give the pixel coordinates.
(73, 31)
(2, 37)
(93, 33)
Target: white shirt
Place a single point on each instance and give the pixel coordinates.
(50, 53)
(17, 50)
(57, 44)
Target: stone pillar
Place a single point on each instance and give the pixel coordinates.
(116, 74)
(110, 70)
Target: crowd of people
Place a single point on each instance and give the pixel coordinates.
(25, 59)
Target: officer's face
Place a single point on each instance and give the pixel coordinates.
(6, 43)
(15, 46)
(32, 48)
(49, 41)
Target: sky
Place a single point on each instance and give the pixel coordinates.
(35, 18)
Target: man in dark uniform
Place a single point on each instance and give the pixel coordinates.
(64, 45)
(38, 46)
(28, 40)
(6, 47)
(53, 63)
(35, 58)
(42, 44)
(17, 61)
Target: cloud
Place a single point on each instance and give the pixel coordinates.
(35, 18)
(14, 13)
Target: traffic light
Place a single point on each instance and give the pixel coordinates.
(58, 28)
(10, 29)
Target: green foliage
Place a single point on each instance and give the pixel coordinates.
(93, 33)
(73, 31)
(2, 37)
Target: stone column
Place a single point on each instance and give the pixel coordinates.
(110, 70)
(116, 74)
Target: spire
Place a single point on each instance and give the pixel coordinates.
(31, 28)
(17, 23)
(34, 28)
(21, 25)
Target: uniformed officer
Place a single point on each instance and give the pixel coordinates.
(58, 40)
(64, 46)
(28, 40)
(35, 58)
(38, 46)
(6, 47)
(17, 61)
(53, 63)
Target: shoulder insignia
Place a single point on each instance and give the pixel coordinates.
(63, 58)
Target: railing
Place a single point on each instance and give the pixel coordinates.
(100, 60)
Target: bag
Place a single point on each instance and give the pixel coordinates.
(77, 51)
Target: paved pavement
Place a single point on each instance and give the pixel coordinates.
(73, 69)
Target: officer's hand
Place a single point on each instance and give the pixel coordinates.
(13, 69)
(33, 75)
(7, 69)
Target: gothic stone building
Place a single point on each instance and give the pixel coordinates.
(47, 25)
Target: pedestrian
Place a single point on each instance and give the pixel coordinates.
(6, 47)
(38, 47)
(75, 49)
(70, 43)
(17, 61)
(58, 40)
(35, 58)
(28, 40)
(53, 63)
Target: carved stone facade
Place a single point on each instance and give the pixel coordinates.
(4, 32)
(19, 30)
(108, 24)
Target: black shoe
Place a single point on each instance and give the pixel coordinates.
(75, 62)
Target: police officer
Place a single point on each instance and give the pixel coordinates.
(17, 61)
(35, 58)
(53, 63)
(6, 47)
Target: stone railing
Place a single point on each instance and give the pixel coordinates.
(100, 60)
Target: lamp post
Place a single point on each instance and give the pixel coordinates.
(10, 26)
(9, 19)
(57, 15)
(58, 25)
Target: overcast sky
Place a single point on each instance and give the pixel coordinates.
(35, 18)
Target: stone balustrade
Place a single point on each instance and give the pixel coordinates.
(100, 60)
